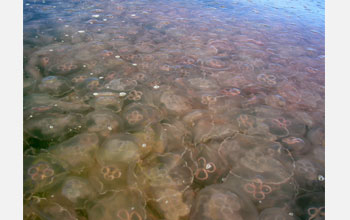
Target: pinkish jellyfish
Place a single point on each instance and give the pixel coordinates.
(175, 103)
(55, 85)
(104, 122)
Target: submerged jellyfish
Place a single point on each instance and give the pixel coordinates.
(41, 173)
(276, 213)
(128, 204)
(258, 156)
(203, 84)
(65, 68)
(138, 115)
(55, 85)
(175, 103)
(222, 202)
(77, 152)
(103, 122)
(276, 101)
(311, 206)
(307, 174)
(121, 85)
(52, 125)
(107, 100)
(77, 190)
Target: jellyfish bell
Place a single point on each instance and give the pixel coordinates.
(65, 68)
(138, 115)
(55, 85)
(121, 85)
(41, 173)
(52, 125)
(203, 84)
(76, 153)
(221, 202)
(276, 213)
(310, 206)
(176, 104)
(307, 173)
(103, 122)
(276, 101)
(107, 99)
(125, 204)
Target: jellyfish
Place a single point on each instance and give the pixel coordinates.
(88, 85)
(55, 85)
(310, 206)
(121, 85)
(127, 204)
(104, 122)
(77, 190)
(209, 167)
(41, 173)
(317, 136)
(203, 84)
(276, 214)
(65, 68)
(77, 152)
(175, 103)
(138, 115)
(213, 129)
(52, 125)
(258, 156)
(215, 63)
(221, 202)
(107, 100)
(297, 146)
(276, 101)
(307, 174)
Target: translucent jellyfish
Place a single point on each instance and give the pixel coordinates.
(276, 101)
(269, 80)
(163, 171)
(44, 208)
(262, 194)
(138, 115)
(311, 206)
(278, 126)
(107, 100)
(276, 214)
(175, 103)
(209, 167)
(28, 85)
(127, 204)
(65, 68)
(103, 122)
(170, 203)
(77, 190)
(191, 118)
(88, 85)
(175, 137)
(317, 136)
(41, 173)
(121, 148)
(289, 92)
(258, 156)
(296, 145)
(213, 129)
(55, 85)
(150, 139)
(307, 174)
(221, 202)
(215, 63)
(203, 84)
(52, 125)
(77, 152)
(121, 85)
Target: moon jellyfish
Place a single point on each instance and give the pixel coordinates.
(175, 137)
(278, 126)
(317, 136)
(52, 125)
(107, 100)
(121, 85)
(138, 115)
(128, 204)
(213, 129)
(209, 167)
(55, 85)
(150, 139)
(296, 145)
(311, 206)
(88, 85)
(103, 122)
(77, 152)
(276, 214)
(77, 190)
(202, 84)
(221, 202)
(65, 68)
(258, 156)
(307, 174)
(41, 173)
(174, 103)
(276, 101)
(263, 194)
(119, 148)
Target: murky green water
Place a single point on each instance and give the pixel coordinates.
(176, 110)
